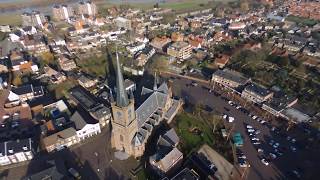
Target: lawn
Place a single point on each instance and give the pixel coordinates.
(60, 90)
(10, 19)
(302, 20)
(95, 65)
(190, 141)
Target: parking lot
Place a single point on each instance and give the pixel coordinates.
(284, 158)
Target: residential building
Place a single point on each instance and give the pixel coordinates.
(134, 48)
(88, 8)
(195, 41)
(123, 23)
(160, 43)
(28, 92)
(229, 78)
(195, 24)
(66, 63)
(86, 82)
(100, 112)
(278, 104)
(5, 28)
(16, 151)
(35, 18)
(180, 50)
(143, 56)
(62, 12)
(237, 26)
(256, 93)
(222, 61)
(177, 36)
(61, 139)
(132, 127)
(305, 9)
(295, 115)
(85, 127)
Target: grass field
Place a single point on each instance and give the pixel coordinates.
(191, 141)
(11, 19)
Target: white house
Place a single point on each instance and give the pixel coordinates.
(14, 37)
(135, 47)
(16, 151)
(85, 127)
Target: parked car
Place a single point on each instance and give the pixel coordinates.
(74, 173)
(265, 161)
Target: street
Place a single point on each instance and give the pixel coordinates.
(305, 159)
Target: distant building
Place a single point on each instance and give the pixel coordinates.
(33, 19)
(160, 43)
(229, 78)
(256, 93)
(62, 12)
(222, 61)
(237, 26)
(88, 8)
(5, 28)
(180, 50)
(177, 36)
(123, 23)
(144, 55)
(16, 151)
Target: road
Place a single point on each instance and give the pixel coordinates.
(304, 158)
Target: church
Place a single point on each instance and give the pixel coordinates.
(132, 126)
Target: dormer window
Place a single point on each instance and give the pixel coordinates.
(25, 148)
(10, 151)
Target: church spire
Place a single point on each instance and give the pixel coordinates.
(122, 96)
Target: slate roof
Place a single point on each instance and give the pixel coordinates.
(256, 89)
(23, 89)
(231, 75)
(171, 136)
(78, 120)
(52, 139)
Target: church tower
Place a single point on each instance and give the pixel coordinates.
(124, 122)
